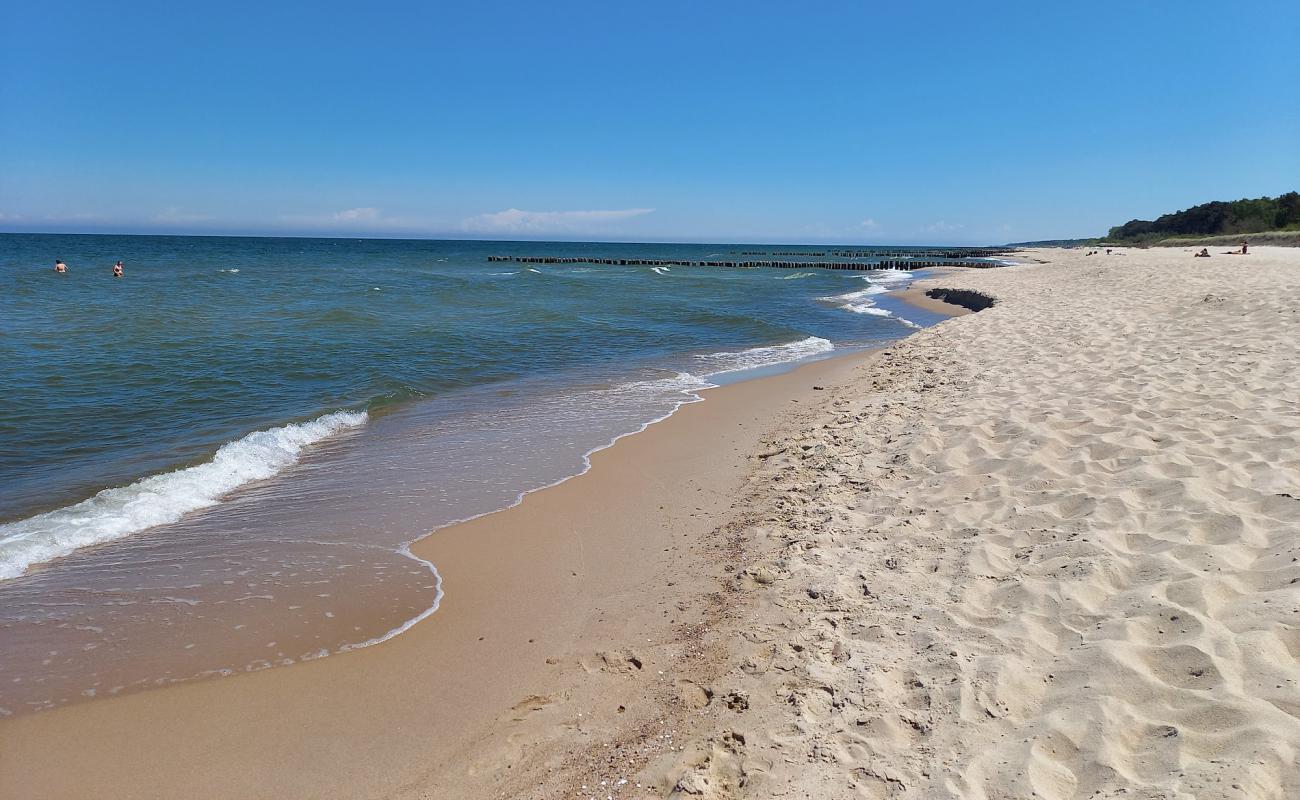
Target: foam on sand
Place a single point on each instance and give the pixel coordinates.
(161, 499)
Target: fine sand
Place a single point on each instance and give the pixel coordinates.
(1046, 550)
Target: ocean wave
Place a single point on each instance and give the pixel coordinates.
(860, 302)
(888, 277)
(161, 499)
(718, 363)
(869, 307)
(860, 294)
(795, 276)
(659, 270)
(681, 383)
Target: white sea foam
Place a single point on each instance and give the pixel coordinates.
(879, 282)
(754, 357)
(859, 302)
(681, 383)
(795, 276)
(889, 276)
(659, 270)
(860, 294)
(160, 499)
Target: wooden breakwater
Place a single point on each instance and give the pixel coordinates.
(781, 253)
(942, 252)
(862, 266)
(938, 252)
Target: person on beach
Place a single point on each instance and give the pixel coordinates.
(1205, 253)
(59, 266)
(117, 270)
(1244, 245)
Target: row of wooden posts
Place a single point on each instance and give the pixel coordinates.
(943, 252)
(946, 252)
(904, 264)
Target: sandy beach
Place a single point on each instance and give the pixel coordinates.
(1043, 550)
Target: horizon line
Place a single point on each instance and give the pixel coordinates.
(436, 238)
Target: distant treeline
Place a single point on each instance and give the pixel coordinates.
(1056, 243)
(1218, 218)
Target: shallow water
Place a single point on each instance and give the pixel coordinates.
(216, 464)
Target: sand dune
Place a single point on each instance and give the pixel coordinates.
(1047, 550)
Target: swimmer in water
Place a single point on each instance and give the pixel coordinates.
(117, 270)
(59, 266)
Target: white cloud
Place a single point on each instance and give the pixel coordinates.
(868, 223)
(357, 215)
(942, 227)
(513, 220)
(363, 217)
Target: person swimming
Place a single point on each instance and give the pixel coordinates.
(59, 266)
(117, 270)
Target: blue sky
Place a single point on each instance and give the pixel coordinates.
(866, 122)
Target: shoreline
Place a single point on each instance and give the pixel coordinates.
(916, 296)
(369, 629)
(1044, 550)
(480, 611)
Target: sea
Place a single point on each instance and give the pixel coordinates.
(217, 463)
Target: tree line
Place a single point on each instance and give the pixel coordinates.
(1216, 219)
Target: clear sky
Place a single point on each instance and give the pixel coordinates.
(863, 122)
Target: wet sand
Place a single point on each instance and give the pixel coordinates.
(619, 560)
(916, 296)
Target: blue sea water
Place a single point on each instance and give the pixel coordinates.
(235, 443)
